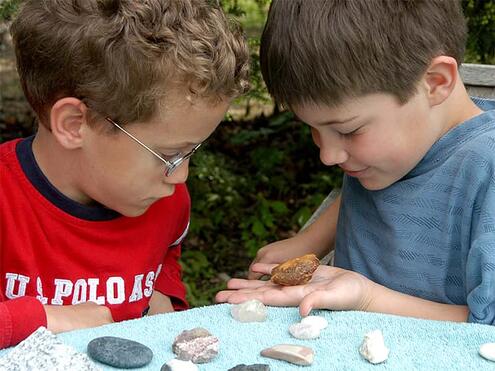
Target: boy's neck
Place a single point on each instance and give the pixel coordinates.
(58, 165)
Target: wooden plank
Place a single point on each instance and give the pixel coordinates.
(478, 74)
(481, 91)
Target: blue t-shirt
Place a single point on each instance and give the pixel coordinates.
(432, 233)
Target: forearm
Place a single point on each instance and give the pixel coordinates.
(319, 237)
(160, 303)
(61, 318)
(385, 300)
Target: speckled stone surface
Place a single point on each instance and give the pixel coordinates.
(119, 352)
(42, 350)
(196, 345)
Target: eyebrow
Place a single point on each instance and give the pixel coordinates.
(337, 122)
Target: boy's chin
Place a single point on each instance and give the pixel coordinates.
(372, 185)
(133, 212)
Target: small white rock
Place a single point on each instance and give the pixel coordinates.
(487, 351)
(178, 365)
(304, 331)
(249, 311)
(317, 321)
(373, 347)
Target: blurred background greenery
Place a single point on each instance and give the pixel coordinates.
(259, 178)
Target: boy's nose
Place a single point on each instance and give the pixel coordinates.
(332, 150)
(333, 156)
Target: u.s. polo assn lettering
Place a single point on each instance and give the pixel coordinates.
(83, 289)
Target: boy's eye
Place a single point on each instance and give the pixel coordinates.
(352, 132)
(170, 156)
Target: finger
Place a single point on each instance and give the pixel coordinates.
(319, 299)
(253, 275)
(223, 296)
(238, 296)
(239, 283)
(263, 268)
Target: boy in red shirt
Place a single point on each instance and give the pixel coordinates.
(93, 208)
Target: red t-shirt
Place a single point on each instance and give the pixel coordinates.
(58, 252)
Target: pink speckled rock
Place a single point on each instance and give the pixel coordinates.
(196, 345)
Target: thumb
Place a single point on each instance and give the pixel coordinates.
(253, 275)
(319, 299)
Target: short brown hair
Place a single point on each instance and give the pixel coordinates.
(324, 51)
(121, 57)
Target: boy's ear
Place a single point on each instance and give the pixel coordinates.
(67, 117)
(440, 79)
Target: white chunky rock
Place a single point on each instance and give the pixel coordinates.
(487, 351)
(178, 365)
(317, 321)
(296, 354)
(304, 331)
(373, 348)
(249, 311)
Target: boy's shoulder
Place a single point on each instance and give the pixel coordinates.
(485, 104)
(7, 150)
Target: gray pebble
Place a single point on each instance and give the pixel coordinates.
(166, 367)
(255, 367)
(119, 352)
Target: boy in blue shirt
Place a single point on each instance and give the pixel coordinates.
(378, 83)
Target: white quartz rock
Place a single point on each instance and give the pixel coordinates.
(317, 321)
(304, 331)
(249, 311)
(487, 351)
(373, 347)
(178, 365)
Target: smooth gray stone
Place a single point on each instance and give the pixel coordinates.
(119, 352)
(255, 367)
(166, 367)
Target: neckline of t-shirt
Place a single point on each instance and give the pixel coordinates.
(41, 183)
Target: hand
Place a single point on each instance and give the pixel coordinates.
(278, 252)
(330, 288)
(61, 318)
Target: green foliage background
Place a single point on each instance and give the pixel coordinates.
(259, 178)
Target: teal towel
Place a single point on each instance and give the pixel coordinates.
(414, 344)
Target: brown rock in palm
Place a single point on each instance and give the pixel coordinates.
(297, 271)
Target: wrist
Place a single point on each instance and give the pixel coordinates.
(308, 243)
(373, 292)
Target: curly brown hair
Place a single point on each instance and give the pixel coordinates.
(122, 57)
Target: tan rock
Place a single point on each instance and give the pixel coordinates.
(296, 354)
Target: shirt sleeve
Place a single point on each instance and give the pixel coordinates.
(19, 318)
(169, 281)
(480, 262)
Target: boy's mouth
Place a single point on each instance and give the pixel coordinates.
(354, 173)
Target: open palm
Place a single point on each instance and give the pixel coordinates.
(330, 288)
